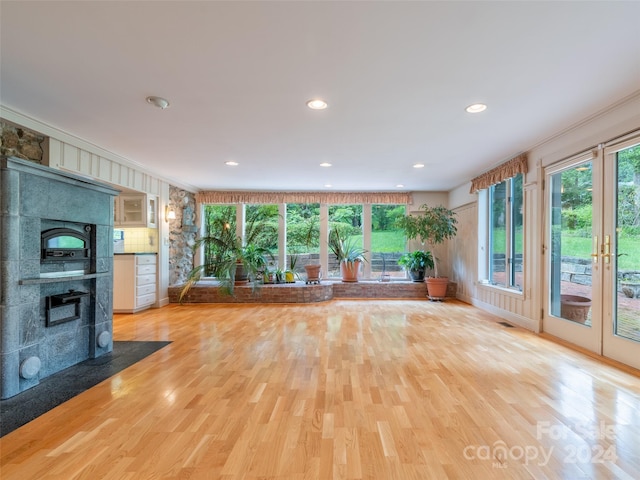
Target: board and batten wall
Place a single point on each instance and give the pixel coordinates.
(525, 308)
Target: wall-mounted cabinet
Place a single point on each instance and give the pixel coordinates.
(136, 211)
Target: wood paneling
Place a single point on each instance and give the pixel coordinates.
(344, 389)
(74, 159)
(463, 250)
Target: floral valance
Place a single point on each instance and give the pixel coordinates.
(496, 175)
(340, 198)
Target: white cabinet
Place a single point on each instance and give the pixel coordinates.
(137, 210)
(134, 282)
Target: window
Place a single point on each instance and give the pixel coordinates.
(387, 242)
(505, 235)
(261, 228)
(219, 220)
(296, 234)
(303, 236)
(348, 220)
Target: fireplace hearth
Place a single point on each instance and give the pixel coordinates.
(56, 275)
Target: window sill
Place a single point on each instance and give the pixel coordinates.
(511, 292)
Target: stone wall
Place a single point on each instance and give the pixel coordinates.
(41, 332)
(182, 234)
(576, 270)
(20, 142)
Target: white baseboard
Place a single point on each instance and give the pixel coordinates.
(511, 317)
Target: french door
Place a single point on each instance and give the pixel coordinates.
(592, 251)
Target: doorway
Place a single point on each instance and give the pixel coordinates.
(592, 251)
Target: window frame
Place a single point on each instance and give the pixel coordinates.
(324, 223)
(486, 268)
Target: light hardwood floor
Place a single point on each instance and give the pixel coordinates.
(345, 389)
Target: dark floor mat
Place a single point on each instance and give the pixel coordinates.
(66, 384)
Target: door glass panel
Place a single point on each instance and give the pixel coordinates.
(571, 244)
(132, 210)
(627, 309)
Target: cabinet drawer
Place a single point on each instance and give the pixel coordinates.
(145, 259)
(145, 269)
(145, 299)
(145, 280)
(145, 289)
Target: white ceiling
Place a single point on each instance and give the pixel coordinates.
(397, 77)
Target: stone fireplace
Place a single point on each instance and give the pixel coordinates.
(56, 272)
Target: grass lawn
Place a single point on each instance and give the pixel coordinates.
(580, 247)
(388, 241)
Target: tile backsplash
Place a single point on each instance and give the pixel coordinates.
(136, 240)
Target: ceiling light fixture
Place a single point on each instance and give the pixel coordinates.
(476, 108)
(418, 165)
(317, 104)
(399, 185)
(327, 185)
(325, 164)
(231, 163)
(159, 102)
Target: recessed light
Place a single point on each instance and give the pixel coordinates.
(399, 185)
(325, 164)
(231, 163)
(328, 185)
(476, 108)
(418, 165)
(159, 102)
(317, 104)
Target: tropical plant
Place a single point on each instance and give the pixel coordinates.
(416, 263)
(432, 227)
(229, 261)
(345, 249)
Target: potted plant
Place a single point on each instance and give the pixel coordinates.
(630, 284)
(309, 239)
(290, 273)
(432, 227)
(348, 253)
(415, 263)
(229, 261)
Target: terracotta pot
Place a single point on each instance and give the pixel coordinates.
(437, 287)
(574, 308)
(313, 273)
(350, 271)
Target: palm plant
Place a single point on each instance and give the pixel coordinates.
(228, 260)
